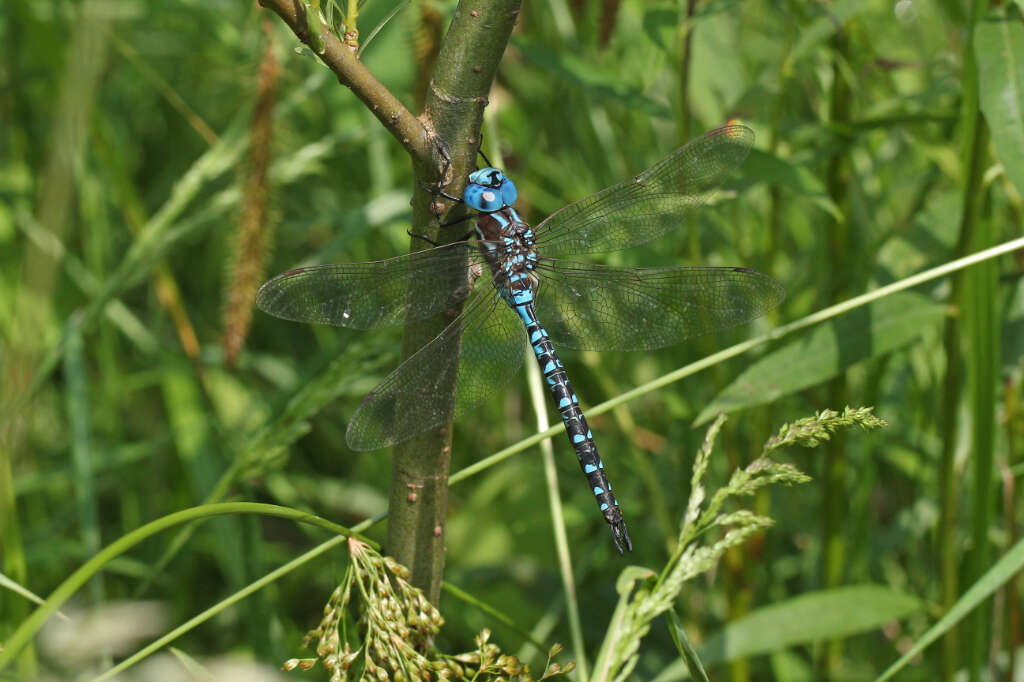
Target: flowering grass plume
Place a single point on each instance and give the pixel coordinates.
(393, 638)
(644, 595)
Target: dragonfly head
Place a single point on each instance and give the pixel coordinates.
(489, 190)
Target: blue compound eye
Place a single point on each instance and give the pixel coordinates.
(482, 198)
(508, 192)
(495, 178)
(489, 190)
(488, 177)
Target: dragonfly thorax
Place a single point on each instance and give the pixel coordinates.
(489, 190)
(510, 250)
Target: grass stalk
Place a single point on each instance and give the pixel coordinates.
(572, 607)
(744, 346)
(949, 499)
(12, 552)
(1011, 630)
(980, 342)
(466, 64)
(30, 626)
(834, 493)
(77, 400)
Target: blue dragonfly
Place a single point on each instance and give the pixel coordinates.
(534, 296)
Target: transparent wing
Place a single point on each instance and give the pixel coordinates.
(367, 295)
(416, 398)
(599, 307)
(650, 204)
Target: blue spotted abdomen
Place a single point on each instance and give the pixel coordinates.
(575, 426)
(508, 245)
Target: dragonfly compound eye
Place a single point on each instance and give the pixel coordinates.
(483, 198)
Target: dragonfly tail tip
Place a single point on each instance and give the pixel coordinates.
(620, 536)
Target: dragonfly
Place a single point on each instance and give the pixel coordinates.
(506, 284)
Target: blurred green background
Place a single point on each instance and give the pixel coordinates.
(135, 220)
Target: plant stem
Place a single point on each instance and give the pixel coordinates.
(342, 60)
(744, 346)
(455, 101)
(834, 493)
(980, 338)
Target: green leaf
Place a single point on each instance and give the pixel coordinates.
(601, 84)
(686, 650)
(15, 587)
(833, 16)
(662, 21)
(828, 614)
(761, 165)
(630, 576)
(812, 617)
(829, 349)
(661, 24)
(999, 46)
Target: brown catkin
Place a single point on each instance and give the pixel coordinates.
(253, 237)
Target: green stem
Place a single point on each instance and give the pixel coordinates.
(343, 61)
(12, 551)
(740, 348)
(572, 607)
(980, 339)
(466, 65)
(834, 495)
(948, 487)
(686, 45)
(1011, 496)
(351, 24)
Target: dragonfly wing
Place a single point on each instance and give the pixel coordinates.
(377, 294)
(600, 307)
(650, 204)
(482, 349)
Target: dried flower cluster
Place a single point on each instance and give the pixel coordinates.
(397, 625)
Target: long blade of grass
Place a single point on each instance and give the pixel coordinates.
(493, 612)
(887, 325)
(811, 617)
(743, 347)
(77, 399)
(999, 46)
(557, 518)
(28, 628)
(1004, 570)
(28, 594)
(686, 651)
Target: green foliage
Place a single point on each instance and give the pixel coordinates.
(644, 596)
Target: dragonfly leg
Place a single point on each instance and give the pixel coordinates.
(438, 190)
(480, 150)
(423, 237)
(462, 219)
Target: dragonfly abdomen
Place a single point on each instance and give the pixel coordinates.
(575, 426)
